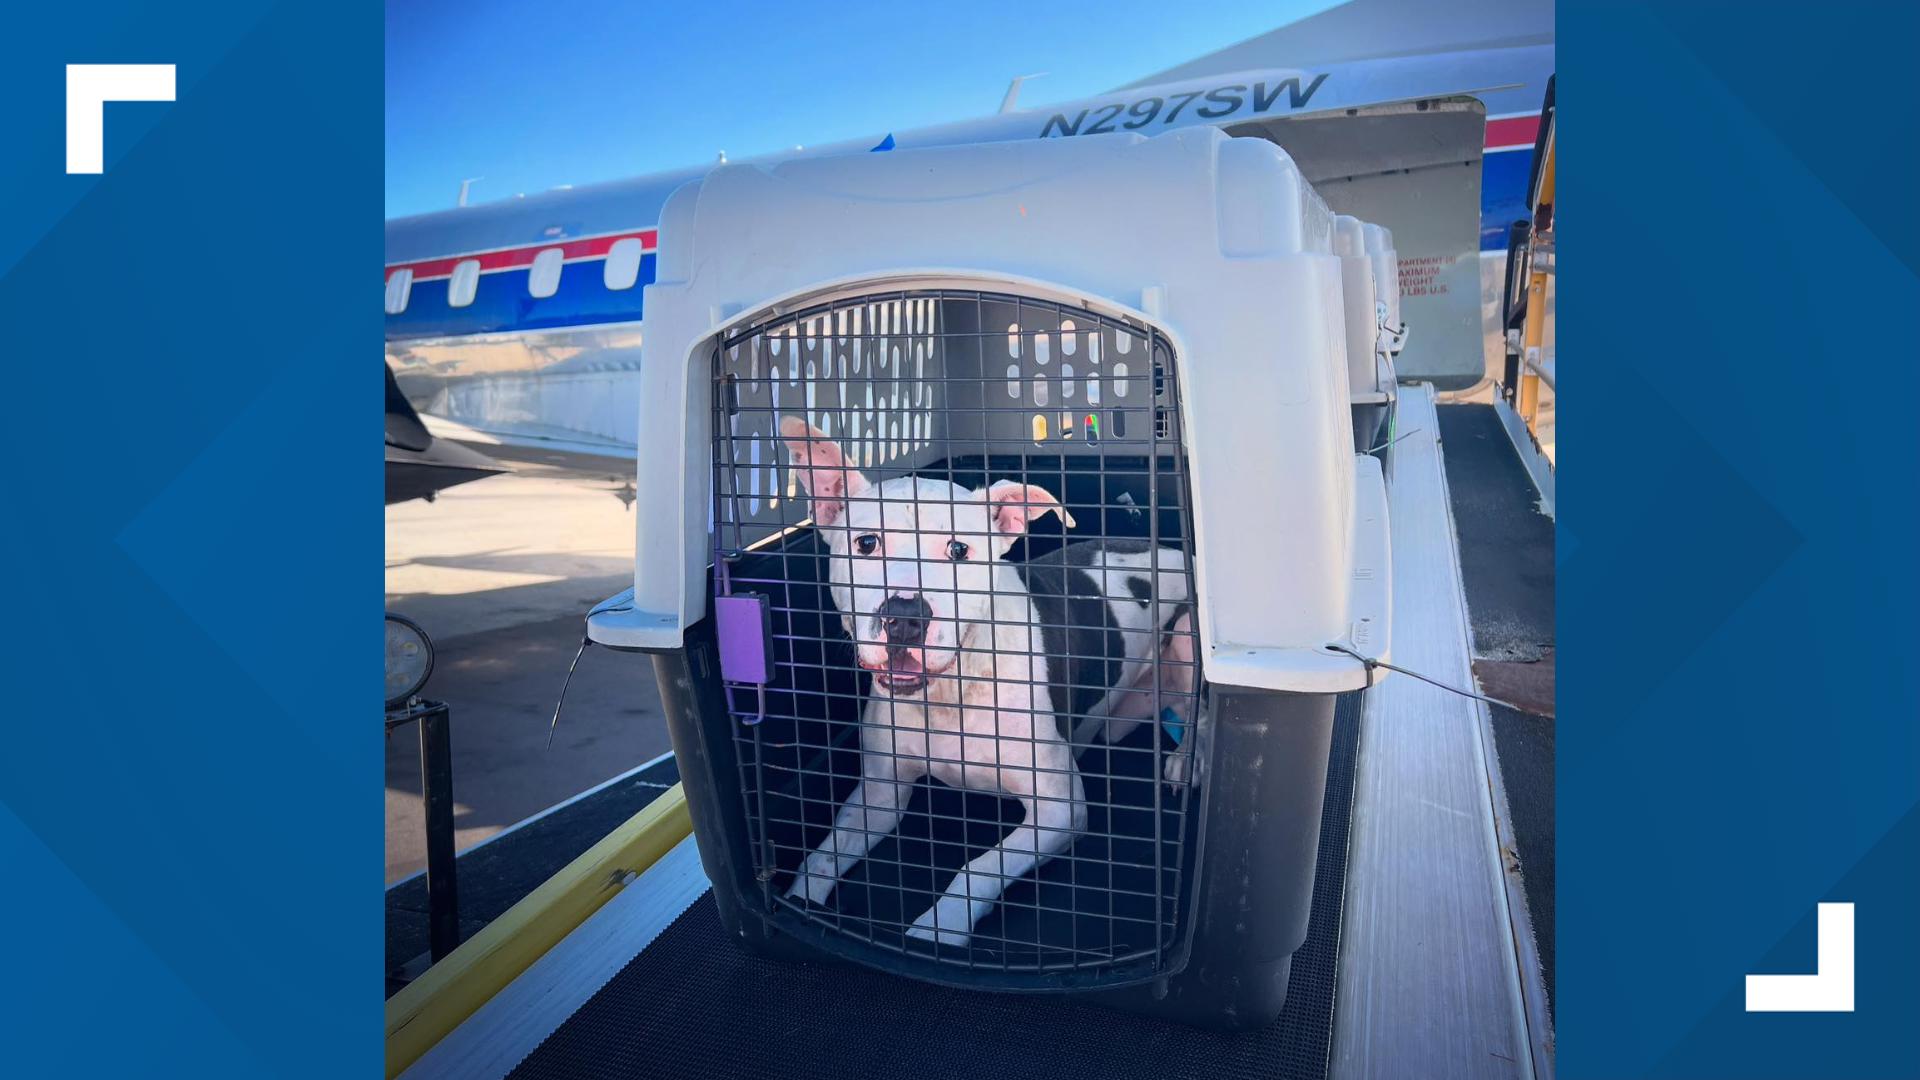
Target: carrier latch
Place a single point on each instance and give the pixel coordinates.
(744, 623)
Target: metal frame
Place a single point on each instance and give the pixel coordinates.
(1524, 315)
(1436, 942)
(963, 385)
(436, 798)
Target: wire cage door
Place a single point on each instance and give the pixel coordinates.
(975, 749)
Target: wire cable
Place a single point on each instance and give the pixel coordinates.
(1372, 663)
(562, 703)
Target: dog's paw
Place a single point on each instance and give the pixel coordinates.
(937, 937)
(926, 928)
(1178, 770)
(811, 888)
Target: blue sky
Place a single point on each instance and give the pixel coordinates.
(531, 96)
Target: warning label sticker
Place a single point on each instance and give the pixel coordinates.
(1420, 276)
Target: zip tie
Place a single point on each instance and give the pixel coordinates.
(1372, 663)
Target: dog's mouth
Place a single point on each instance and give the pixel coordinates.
(901, 675)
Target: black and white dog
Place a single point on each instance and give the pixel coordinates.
(977, 661)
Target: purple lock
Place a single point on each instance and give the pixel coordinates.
(744, 624)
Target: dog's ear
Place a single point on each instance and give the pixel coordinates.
(1011, 505)
(823, 470)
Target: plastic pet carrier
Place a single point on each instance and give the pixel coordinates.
(1370, 345)
(998, 512)
(1386, 278)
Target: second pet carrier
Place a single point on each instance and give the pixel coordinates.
(1386, 278)
(1000, 541)
(1370, 347)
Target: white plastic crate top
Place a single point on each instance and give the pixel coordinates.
(1216, 241)
(1369, 372)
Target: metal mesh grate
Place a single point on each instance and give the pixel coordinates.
(970, 743)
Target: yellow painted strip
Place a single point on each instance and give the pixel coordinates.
(423, 1012)
(1533, 333)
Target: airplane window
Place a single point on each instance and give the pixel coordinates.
(464, 283)
(399, 289)
(544, 280)
(623, 263)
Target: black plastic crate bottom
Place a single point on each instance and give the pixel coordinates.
(696, 1004)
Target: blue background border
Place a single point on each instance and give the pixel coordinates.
(1737, 736)
(190, 810)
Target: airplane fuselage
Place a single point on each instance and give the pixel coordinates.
(520, 321)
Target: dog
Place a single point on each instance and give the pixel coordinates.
(977, 661)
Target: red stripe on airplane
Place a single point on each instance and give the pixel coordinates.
(513, 258)
(1513, 131)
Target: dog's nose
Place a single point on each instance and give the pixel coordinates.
(903, 619)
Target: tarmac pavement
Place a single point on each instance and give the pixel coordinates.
(500, 573)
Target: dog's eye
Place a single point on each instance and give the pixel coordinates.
(865, 543)
(956, 550)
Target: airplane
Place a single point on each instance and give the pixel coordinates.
(420, 466)
(516, 326)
